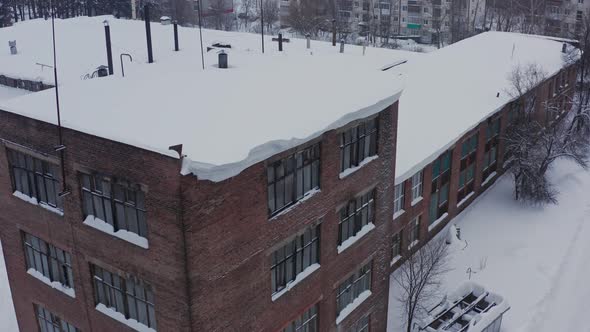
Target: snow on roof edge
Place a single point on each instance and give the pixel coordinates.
(218, 173)
(421, 165)
(167, 153)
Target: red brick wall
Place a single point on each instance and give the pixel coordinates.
(162, 265)
(231, 239)
(421, 208)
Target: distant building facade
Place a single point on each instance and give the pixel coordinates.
(423, 20)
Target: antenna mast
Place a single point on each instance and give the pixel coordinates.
(60, 147)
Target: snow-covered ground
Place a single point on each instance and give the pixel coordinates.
(7, 315)
(538, 258)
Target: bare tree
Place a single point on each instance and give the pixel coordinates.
(420, 278)
(538, 136)
(218, 17)
(270, 9)
(437, 23)
(246, 11)
(304, 17)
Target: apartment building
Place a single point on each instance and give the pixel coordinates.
(182, 216)
(422, 20)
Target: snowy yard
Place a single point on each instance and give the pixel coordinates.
(7, 315)
(537, 258)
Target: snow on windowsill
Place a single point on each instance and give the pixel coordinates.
(351, 170)
(413, 244)
(395, 260)
(308, 270)
(465, 199)
(437, 221)
(398, 214)
(53, 284)
(351, 240)
(353, 305)
(121, 234)
(132, 323)
(34, 201)
(489, 178)
(416, 201)
(307, 196)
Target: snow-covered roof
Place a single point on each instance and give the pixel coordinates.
(450, 91)
(470, 308)
(226, 119)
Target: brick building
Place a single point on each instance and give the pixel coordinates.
(302, 234)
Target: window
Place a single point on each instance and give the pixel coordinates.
(358, 213)
(441, 176)
(580, 1)
(52, 262)
(115, 202)
(35, 178)
(425, 22)
(308, 322)
(404, 8)
(490, 156)
(126, 295)
(290, 178)
(352, 287)
(358, 143)
(291, 259)
(417, 185)
(414, 232)
(49, 322)
(362, 325)
(398, 198)
(467, 167)
(397, 245)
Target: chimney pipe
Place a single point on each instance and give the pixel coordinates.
(564, 48)
(107, 35)
(222, 60)
(307, 36)
(148, 32)
(341, 45)
(176, 36)
(333, 32)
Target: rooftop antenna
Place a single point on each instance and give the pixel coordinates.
(262, 22)
(61, 148)
(201, 36)
(513, 48)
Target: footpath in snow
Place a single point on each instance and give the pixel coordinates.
(538, 258)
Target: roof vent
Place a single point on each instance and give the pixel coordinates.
(564, 48)
(12, 45)
(222, 60)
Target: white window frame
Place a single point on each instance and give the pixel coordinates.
(398, 200)
(417, 185)
(414, 224)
